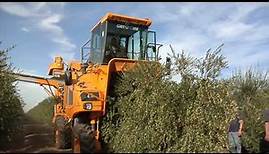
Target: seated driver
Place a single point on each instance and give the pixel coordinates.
(114, 50)
(114, 46)
(111, 50)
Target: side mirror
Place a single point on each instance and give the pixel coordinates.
(68, 77)
(154, 49)
(158, 50)
(84, 67)
(168, 65)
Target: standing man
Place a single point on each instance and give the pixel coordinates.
(235, 132)
(265, 143)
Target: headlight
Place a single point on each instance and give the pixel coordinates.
(87, 106)
(89, 96)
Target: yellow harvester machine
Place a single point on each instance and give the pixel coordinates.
(82, 88)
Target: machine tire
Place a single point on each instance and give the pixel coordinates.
(62, 134)
(61, 140)
(88, 143)
(68, 77)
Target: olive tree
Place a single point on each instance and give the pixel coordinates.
(10, 102)
(151, 113)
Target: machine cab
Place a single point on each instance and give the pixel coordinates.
(119, 36)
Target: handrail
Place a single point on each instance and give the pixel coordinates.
(82, 48)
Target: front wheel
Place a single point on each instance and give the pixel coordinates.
(84, 140)
(62, 134)
(62, 140)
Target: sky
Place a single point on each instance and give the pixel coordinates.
(42, 30)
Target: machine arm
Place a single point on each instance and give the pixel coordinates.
(38, 80)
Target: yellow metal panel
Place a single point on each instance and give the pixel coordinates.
(123, 18)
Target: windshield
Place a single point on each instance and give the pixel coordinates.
(125, 41)
(121, 40)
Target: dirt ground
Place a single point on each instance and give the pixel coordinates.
(36, 138)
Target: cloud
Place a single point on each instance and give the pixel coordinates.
(50, 24)
(258, 33)
(25, 29)
(230, 30)
(243, 10)
(38, 6)
(46, 20)
(17, 9)
(65, 42)
(186, 10)
(235, 26)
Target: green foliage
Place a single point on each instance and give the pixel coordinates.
(251, 92)
(153, 114)
(11, 111)
(138, 120)
(43, 112)
(208, 105)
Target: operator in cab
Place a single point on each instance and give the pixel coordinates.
(114, 50)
